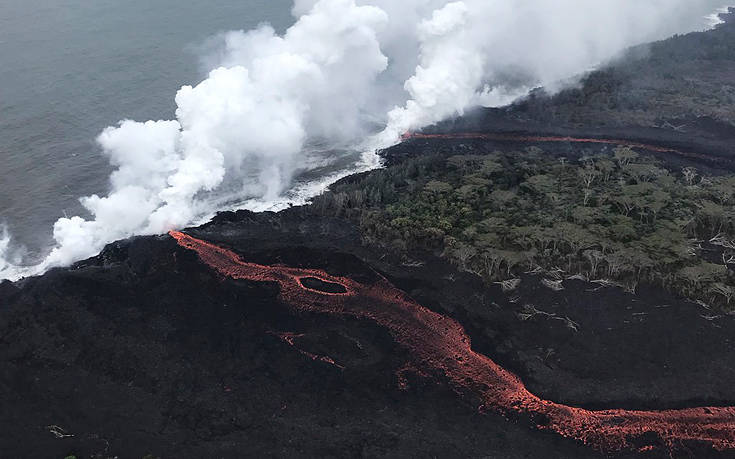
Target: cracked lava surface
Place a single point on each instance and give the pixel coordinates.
(583, 140)
(440, 345)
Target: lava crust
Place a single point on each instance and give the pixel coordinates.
(569, 139)
(439, 344)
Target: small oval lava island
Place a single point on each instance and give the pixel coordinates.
(320, 285)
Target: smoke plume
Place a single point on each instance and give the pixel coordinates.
(347, 74)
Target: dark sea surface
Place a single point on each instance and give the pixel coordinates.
(70, 68)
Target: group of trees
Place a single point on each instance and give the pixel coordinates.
(616, 215)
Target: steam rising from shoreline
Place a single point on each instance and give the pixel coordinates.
(4, 250)
(348, 73)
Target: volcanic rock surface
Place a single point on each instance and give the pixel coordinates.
(148, 349)
(286, 335)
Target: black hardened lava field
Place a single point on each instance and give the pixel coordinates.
(523, 282)
(318, 332)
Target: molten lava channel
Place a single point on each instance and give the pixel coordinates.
(438, 343)
(564, 139)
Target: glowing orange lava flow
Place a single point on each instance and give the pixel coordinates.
(290, 339)
(440, 343)
(522, 138)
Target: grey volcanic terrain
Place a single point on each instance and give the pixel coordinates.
(428, 320)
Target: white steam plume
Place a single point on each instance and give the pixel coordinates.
(5, 265)
(480, 52)
(348, 72)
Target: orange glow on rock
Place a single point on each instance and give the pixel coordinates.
(440, 345)
(541, 139)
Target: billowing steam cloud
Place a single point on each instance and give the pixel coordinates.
(479, 52)
(4, 250)
(347, 73)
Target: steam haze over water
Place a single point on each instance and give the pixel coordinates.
(70, 68)
(286, 107)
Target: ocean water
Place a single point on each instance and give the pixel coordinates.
(70, 68)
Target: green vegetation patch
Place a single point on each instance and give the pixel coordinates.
(617, 217)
